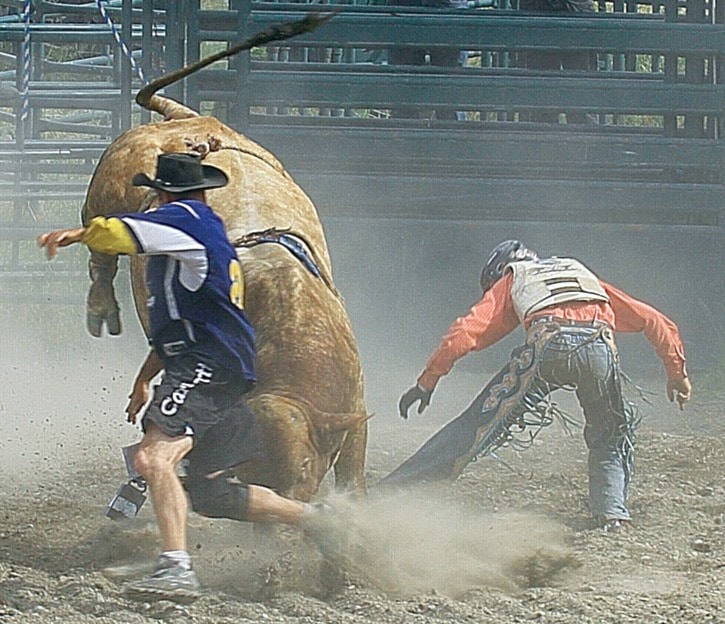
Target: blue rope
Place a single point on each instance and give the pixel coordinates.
(121, 44)
(26, 61)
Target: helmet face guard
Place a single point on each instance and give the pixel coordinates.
(502, 255)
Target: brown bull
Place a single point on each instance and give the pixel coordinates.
(309, 399)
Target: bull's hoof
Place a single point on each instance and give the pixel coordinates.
(113, 323)
(94, 323)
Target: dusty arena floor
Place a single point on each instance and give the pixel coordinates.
(502, 545)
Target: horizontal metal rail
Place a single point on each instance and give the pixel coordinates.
(349, 86)
(490, 30)
(387, 88)
(58, 33)
(359, 149)
(505, 199)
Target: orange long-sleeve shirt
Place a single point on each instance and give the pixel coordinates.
(493, 317)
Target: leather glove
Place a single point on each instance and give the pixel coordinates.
(416, 393)
(679, 389)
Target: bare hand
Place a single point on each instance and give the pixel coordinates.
(137, 399)
(680, 389)
(59, 238)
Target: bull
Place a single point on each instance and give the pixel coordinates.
(309, 399)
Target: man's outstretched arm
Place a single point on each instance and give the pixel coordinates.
(633, 315)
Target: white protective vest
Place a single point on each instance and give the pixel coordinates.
(539, 284)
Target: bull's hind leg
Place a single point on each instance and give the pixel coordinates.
(350, 465)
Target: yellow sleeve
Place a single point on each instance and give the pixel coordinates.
(110, 236)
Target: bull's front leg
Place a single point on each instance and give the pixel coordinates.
(101, 304)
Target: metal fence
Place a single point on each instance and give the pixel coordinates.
(483, 112)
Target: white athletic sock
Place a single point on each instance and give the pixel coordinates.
(180, 557)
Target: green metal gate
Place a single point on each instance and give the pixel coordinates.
(650, 150)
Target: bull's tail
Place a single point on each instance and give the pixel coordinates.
(170, 109)
(147, 99)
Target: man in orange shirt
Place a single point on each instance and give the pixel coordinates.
(569, 316)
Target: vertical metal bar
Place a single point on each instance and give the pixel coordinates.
(35, 72)
(147, 48)
(670, 73)
(715, 73)
(124, 109)
(695, 69)
(193, 50)
(18, 208)
(117, 61)
(22, 127)
(174, 47)
(719, 73)
(239, 114)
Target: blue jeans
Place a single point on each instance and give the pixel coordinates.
(584, 360)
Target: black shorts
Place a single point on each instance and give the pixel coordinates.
(199, 399)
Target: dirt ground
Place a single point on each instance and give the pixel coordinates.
(503, 544)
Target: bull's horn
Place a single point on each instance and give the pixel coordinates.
(277, 32)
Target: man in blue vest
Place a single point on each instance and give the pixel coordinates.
(203, 342)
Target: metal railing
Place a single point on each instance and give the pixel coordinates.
(634, 138)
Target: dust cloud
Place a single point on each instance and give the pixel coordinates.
(64, 394)
(421, 541)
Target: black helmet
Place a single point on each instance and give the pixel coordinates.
(502, 255)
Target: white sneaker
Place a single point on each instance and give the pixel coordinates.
(170, 581)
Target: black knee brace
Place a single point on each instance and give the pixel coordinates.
(218, 498)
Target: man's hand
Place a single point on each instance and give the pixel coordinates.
(59, 238)
(139, 396)
(416, 393)
(137, 399)
(679, 389)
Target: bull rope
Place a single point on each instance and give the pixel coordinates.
(293, 242)
(121, 43)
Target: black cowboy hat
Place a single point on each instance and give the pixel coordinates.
(176, 173)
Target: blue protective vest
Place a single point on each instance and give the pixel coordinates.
(195, 285)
